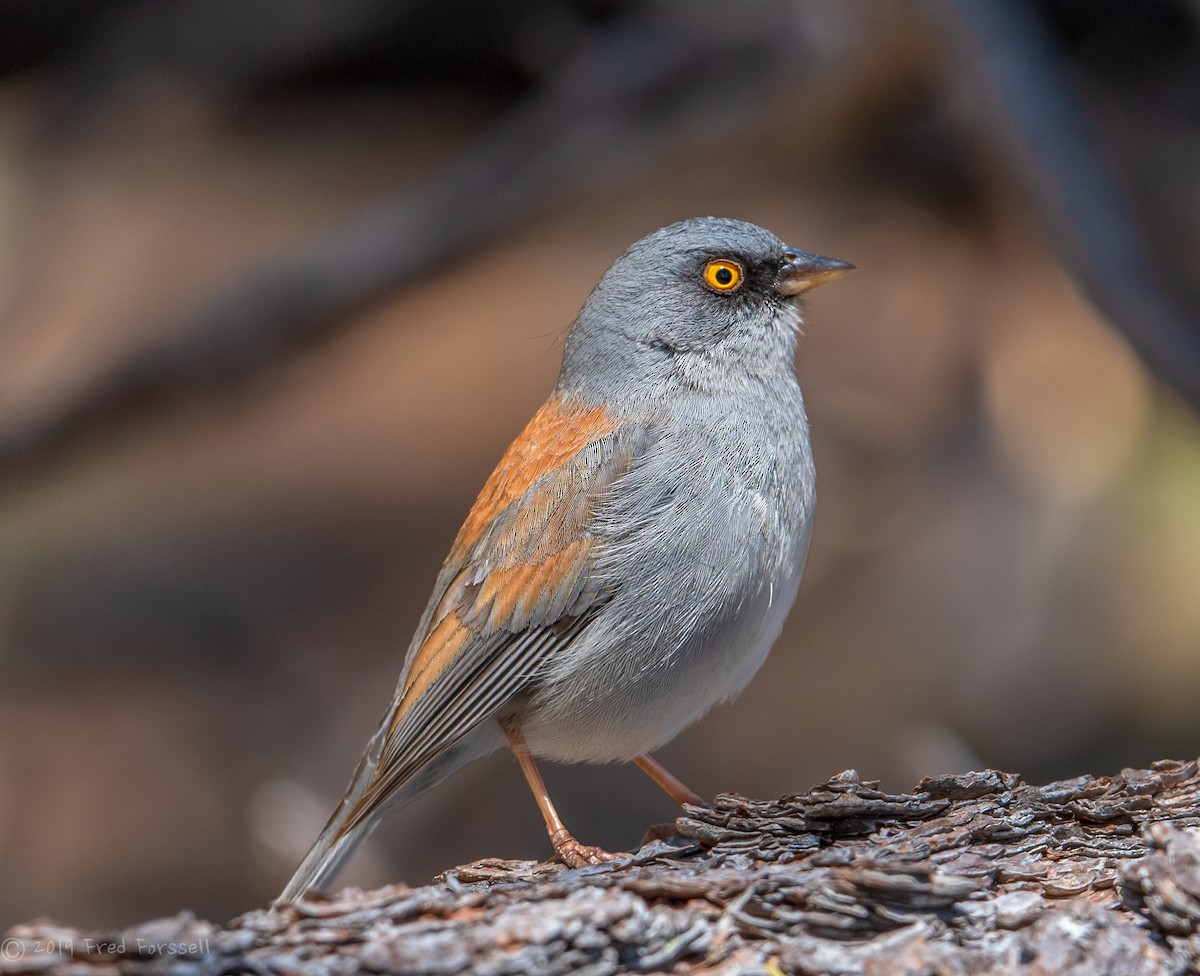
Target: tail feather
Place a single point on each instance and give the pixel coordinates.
(324, 860)
(337, 842)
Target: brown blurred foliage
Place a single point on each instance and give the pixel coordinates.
(206, 581)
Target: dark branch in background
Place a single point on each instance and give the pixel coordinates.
(632, 90)
(1036, 117)
(969, 874)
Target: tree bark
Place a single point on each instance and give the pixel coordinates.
(968, 874)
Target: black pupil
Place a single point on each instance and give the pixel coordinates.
(724, 276)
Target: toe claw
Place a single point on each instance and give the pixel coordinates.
(576, 855)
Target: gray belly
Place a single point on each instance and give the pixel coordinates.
(702, 548)
(636, 678)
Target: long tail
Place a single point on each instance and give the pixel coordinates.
(335, 844)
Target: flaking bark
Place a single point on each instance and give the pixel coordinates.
(975, 873)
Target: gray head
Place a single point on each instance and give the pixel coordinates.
(705, 303)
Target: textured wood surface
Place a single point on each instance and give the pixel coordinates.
(974, 873)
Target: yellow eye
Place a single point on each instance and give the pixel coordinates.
(722, 275)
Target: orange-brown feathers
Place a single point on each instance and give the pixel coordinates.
(522, 555)
(557, 432)
(438, 650)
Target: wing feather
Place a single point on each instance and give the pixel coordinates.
(519, 585)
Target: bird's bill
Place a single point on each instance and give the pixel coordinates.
(803, 271)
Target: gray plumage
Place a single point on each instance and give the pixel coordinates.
(687, 517)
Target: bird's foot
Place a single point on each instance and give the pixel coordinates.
(576, 855)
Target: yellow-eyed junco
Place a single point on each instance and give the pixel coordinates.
(632, 558)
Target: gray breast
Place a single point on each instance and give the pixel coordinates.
(706, 540)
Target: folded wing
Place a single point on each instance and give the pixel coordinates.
(518, 586)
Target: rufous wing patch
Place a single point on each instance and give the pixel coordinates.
(521, 556)
(444, 642)
(511, 596)
(557, 432)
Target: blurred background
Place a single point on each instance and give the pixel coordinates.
(279, 281)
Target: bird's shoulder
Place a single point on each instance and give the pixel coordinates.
(523, 553)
